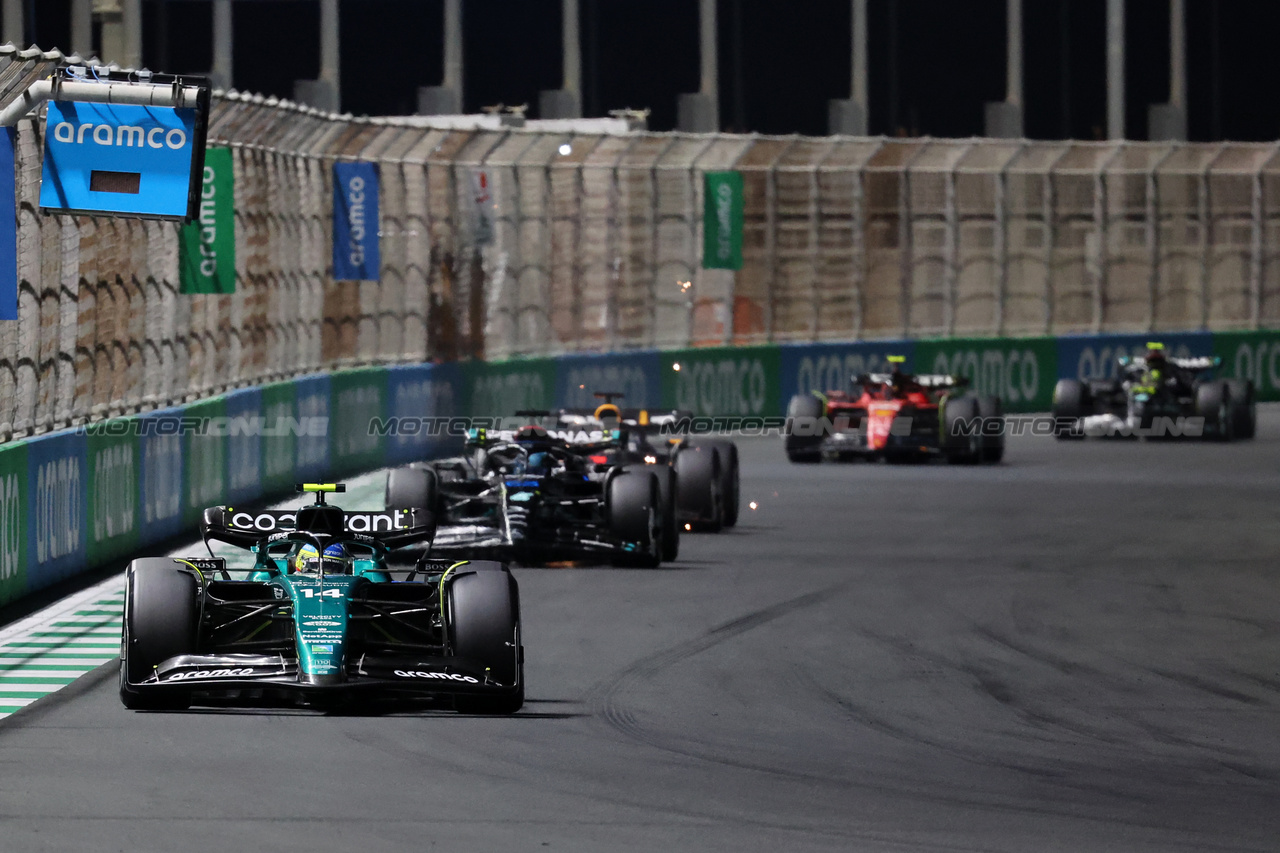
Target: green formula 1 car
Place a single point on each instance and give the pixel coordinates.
(318, 616)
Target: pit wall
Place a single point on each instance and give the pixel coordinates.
(75, 500)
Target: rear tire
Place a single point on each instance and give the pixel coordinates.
(698, 468)
(959, 448)
(633, 506)
(990, 408)
(1244, 408)
(484, 625)
(668, 489)
(161, 614)
(803, 448)
(729, 485)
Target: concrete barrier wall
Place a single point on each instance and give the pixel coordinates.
(78, 499)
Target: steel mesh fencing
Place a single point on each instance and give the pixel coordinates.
(508, 242)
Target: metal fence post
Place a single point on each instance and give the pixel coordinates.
(1257, 235)
(1101, 221)
(1153, 236)
(1206, 236)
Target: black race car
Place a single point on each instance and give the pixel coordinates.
(527, 496)
(318, 615)
(702, 472)
(1155, 396)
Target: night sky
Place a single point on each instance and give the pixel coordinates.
(780, 60)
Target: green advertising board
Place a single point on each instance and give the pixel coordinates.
(1021, 371)
(499, 389)
(13, 522)
(723, 381)
(114, 497)
(205, 446)
(356, 398)
(722, 221)
(281, 422)
(207, 244)
(1251, 355)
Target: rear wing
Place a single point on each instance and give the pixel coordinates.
(633, 419)
(1192, 363)
(393, 528)
(1204, 362)
(924, 380)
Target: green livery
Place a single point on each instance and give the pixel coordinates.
(321, 615)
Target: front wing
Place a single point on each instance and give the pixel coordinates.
(420, 675)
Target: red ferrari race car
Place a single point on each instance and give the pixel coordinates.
(896, 416)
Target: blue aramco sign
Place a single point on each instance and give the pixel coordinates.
(355, 222)
(117, 158)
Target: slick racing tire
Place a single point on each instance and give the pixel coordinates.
(700, 499)
(803, 448)
(633, 506)
(1244, 407)
(959, 447)
(729, 489)
(483, 612)
(668, 489)
(1070, 403)
(161, 613)
(990, 408)
(413, 488)
(1213, 403)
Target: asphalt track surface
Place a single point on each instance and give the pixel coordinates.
(1077, 650)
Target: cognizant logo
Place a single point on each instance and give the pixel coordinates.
(128, 136)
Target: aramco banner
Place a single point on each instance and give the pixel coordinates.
(118, 159)
(355, 222)
(722, 222)
(207, 249)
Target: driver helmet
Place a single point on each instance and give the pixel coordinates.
(539, 463)
(532, 432)
(898, 378)
(335, 560)
(1156, 354)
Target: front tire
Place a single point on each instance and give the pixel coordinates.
(413, 488)
(633, 507)
(1070, 403)
(808, 409)
(484, 626)
(161, 614)
(698, 468)
(1213, 403)
(1244, 407)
